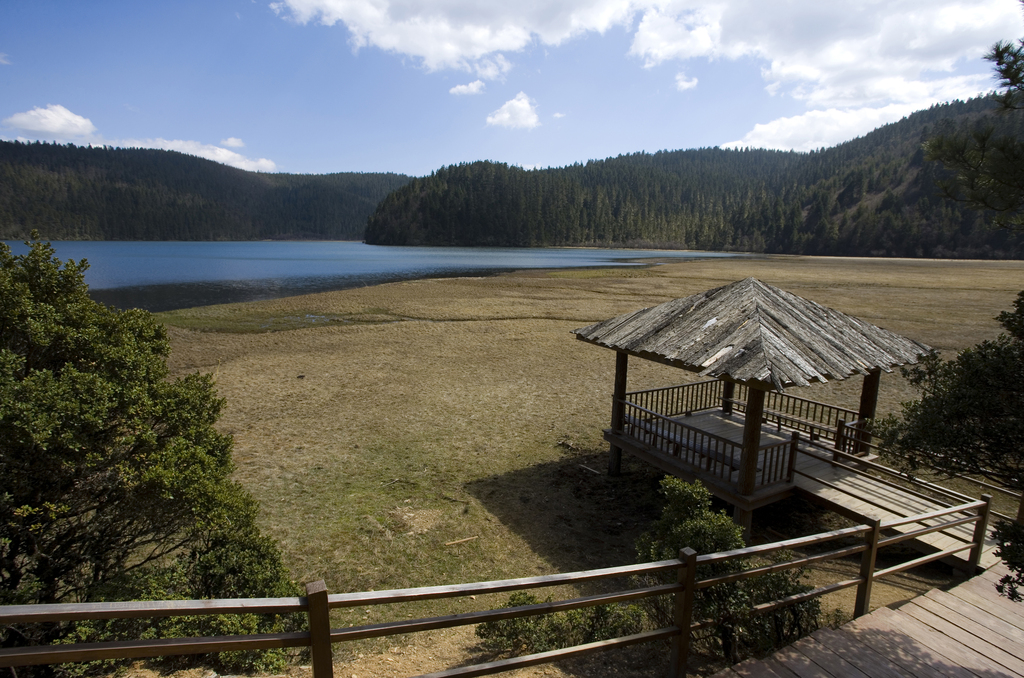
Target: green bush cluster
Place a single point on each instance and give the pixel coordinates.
(687, 520)
(560, 629)
(116, 483)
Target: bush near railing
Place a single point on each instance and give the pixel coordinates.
(318, 603)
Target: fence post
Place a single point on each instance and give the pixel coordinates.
(867, 569)
(683, 613)
(980, 532)
(840, 439)
(728, 393)
(319, 629)
(793, 450)
(618, 411)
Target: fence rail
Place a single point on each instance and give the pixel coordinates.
(675, 401)
(817, 420)
(714, 455)
(318, 603)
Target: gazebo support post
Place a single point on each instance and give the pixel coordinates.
(728, 393)
(868, 403)
(618, 410)
(748, 459)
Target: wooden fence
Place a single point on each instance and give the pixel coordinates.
(817, 420)
(318, 602)
(854, 440)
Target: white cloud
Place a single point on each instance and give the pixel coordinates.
(854, 54)
(52, 122)
(518, 113)
(462, 34)
(683, 83)
(4, 59)
(558, 115)
(208, 151)
(857, 55)
(817, 129)
(494, 68)
(56, 123)
(474, 87)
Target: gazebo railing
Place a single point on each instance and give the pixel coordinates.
(706, 452)
(818, 420)
(675, 401)
(710, 454)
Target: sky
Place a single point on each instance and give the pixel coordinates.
(408, 86)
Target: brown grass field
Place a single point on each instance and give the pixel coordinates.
(376, 425)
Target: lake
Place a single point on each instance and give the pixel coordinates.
(162, 276)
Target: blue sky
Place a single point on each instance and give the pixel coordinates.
(316, 86)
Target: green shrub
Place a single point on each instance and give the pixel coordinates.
(116, 483)
(687, 520)
(541, 633)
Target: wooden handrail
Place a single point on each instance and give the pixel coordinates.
(467, 618)
(675, 422)
(338, 600)
(669, 388)
(20, 614)
(938, 489)
(687, 583)
(1013, 494)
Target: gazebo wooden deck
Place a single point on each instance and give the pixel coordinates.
(740, 433)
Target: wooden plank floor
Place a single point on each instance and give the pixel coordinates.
(851, 493)
(867, 496)
(968, 632)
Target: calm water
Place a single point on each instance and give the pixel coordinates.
(161, 276)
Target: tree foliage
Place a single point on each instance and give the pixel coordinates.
(115, 481)
(872, 196)
(687, 520)
(988, 163)
(69, 192)
(970, 421)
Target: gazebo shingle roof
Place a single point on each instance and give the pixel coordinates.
(754, 333)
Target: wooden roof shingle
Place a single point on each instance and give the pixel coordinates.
(754, 333)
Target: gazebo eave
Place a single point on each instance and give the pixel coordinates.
(760, 384)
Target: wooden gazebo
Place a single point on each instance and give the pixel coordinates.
(754, 341)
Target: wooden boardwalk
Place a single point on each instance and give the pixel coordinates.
(860, 496)
(856, 495)
(968, 632)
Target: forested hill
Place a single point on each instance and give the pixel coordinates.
(875, 195)
(72, 192)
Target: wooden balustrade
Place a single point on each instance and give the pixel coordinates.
(318, 602)
(675, 401)
(817, 420)
(713, 455)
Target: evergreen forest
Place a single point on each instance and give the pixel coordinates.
(876, 195)
(69, 192)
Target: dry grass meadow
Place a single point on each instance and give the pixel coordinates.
(379, 425)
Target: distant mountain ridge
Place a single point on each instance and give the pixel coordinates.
(70, 192)
(872, 196)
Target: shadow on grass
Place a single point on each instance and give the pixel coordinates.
(576, 517)
(571, 512)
